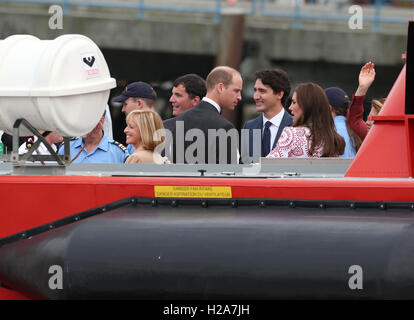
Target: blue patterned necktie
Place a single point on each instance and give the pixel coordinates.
(266, 139)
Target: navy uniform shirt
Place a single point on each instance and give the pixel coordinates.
(107, 151)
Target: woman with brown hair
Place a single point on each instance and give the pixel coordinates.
(313, 133)
(144, 131)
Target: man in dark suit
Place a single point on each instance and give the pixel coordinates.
(201, 134)
(187, 92)
(271, 90)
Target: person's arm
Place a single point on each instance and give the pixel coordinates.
(356, 109)
(355, 116)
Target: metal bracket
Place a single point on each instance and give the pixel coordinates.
(20, 162)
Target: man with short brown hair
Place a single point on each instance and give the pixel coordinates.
(224, 85)
(187, 92)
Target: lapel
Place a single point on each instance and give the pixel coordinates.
(256, 124)
(259, 123)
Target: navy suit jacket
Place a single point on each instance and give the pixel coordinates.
(257, 123)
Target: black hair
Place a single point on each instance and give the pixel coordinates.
(277, 79)
(194, 85)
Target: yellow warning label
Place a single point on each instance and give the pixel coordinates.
(192, 191)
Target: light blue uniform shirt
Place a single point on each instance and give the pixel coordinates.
(130, 148)
(340, 125)
(107, 151)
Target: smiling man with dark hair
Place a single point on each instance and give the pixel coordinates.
(271, 90)
(187, 92)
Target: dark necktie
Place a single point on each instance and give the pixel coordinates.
(266, 139)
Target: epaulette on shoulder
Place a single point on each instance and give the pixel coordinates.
(120, 145)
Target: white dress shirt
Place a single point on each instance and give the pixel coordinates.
(276, 120)
(213, 103)
(219, 111)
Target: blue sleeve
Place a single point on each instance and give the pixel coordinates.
(117, 154)
(61, 149)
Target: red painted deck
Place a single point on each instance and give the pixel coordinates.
(30, 201)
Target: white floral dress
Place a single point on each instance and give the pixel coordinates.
(294, 142)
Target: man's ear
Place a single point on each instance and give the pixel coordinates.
(195, 101)
(280, 94)
(220, 87)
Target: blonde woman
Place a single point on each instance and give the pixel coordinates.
(144, 131)
(376, 106)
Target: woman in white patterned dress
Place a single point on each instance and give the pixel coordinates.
(313, 132)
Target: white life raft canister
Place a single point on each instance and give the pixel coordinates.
(60, 85)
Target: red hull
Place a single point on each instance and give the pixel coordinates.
(49, 198)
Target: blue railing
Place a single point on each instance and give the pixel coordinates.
(140, 5)
(215, 9)
(297, 15)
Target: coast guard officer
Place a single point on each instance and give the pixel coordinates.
(96, 147)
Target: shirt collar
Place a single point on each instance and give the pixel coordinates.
(276, 120)
(78, 142)
(103, 144)
(340, 118)
(213, 103)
